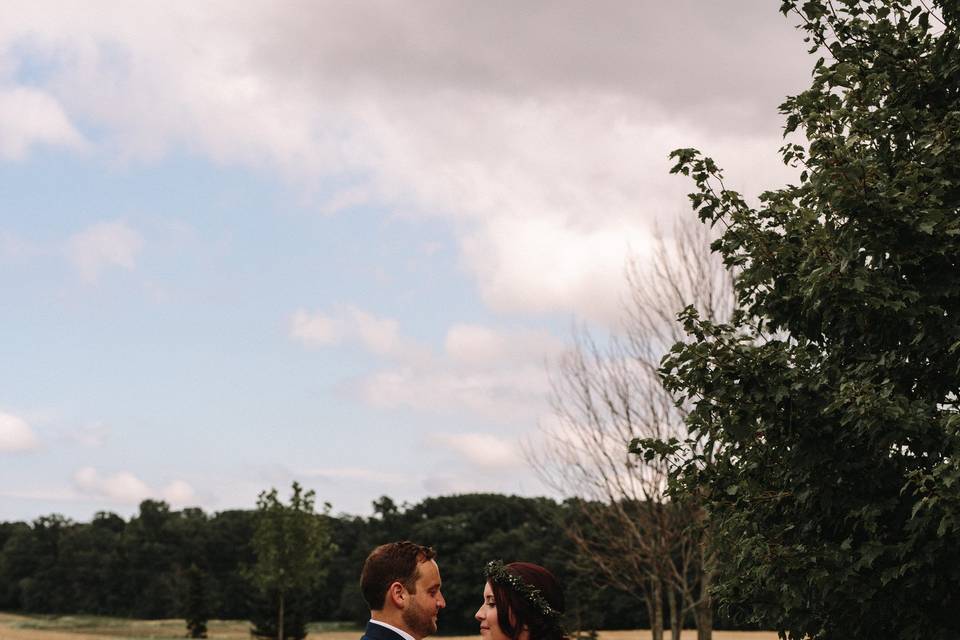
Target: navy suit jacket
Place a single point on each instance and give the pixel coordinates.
(376, 631)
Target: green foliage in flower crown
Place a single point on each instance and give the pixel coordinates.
(830, 402)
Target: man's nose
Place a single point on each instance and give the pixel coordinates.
(441, 603)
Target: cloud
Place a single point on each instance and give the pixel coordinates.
(179, 492)
(347, 199)
(104, 245)
(126, 488)
(541, 133)
(314, 329)
(494, 374)
(482, 449)
(483, 372)
(506, 395)
(478, 346)
(380, 336)
(29, 117)
(16, 435)
(122, 486)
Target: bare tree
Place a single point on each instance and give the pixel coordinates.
(605, 395)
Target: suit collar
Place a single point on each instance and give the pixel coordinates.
(377, 630)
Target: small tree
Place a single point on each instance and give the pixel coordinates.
(196, 603)
(292, 543)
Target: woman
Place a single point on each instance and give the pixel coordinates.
(521, 601)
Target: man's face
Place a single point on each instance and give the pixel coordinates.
(420, 614)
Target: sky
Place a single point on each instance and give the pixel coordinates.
(343, 243)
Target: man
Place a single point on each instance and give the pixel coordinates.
(401, 583)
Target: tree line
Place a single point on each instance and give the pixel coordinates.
(161, 561)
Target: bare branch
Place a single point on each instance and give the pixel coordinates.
(605, 393)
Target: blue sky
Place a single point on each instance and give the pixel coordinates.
(342, 243)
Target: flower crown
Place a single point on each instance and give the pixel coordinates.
(497, 573)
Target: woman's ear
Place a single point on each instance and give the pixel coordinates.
(397, 594)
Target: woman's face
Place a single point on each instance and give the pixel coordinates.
(487, 617)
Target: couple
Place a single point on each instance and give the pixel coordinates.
(401, 583)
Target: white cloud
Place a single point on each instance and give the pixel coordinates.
(474, 343)
(482, 449)
(30, 117)
(104, 245)
(314, 329)
(378, 335)
(126, 488)
(478, 346)
(347, 199)
(16, 435)
(495, 374)
(499, 375)
(122, 486)
(510, 394)
(540, 265)
(179, 493)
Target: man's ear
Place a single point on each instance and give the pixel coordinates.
(397, 594)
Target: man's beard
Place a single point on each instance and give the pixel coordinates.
(419, 620)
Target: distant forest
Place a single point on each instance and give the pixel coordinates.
(139, 568)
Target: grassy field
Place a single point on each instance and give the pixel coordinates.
(17, 627)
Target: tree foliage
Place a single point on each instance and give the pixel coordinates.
(830, 400)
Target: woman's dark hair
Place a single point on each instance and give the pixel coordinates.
(516, 612)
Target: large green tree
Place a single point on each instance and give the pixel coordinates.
(830, 402)
(292, 544)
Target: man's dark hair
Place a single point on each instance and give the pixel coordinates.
(389, 563)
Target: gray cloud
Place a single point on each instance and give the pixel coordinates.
(729, 62)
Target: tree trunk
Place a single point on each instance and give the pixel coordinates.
(676, 624)
(705, 619)
(280, 619)
(648, 600)
(704, 608)
(656, 620)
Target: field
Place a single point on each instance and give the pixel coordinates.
(17, 627)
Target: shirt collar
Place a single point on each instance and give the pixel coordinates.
(403, 634)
